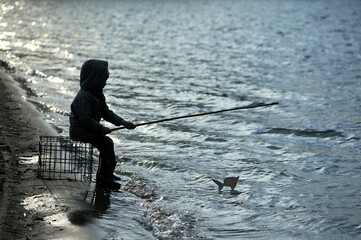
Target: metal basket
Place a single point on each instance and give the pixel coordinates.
(63, 158)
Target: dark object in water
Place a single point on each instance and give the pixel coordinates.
(228, 182)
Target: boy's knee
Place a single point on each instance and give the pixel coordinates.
(108, 139)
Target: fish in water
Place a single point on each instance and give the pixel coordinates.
(228, 182)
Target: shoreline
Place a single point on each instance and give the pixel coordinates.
(28, 207)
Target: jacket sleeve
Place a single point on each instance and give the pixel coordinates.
(111, 117)
(83, 111)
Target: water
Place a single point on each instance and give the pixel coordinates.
(172, 58)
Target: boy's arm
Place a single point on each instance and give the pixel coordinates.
(111, 117)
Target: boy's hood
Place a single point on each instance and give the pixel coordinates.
(93, 74)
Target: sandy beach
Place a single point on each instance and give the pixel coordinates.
(29, 209)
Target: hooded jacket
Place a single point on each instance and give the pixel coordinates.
(89, 105)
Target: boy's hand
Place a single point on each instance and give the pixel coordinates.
(128, 125)
(106, 130)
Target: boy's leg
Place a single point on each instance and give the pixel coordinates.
(107, 161)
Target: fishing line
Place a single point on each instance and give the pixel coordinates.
(264, 125)
(232, 181)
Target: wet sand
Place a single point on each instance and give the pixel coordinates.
(31, 208)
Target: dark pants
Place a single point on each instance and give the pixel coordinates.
(107, 161)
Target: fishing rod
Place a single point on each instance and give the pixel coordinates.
(201, 114)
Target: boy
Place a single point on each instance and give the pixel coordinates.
(87, 108)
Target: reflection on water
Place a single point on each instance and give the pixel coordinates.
(97, 205)
(172, 58)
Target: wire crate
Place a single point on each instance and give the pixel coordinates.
(63, 158)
